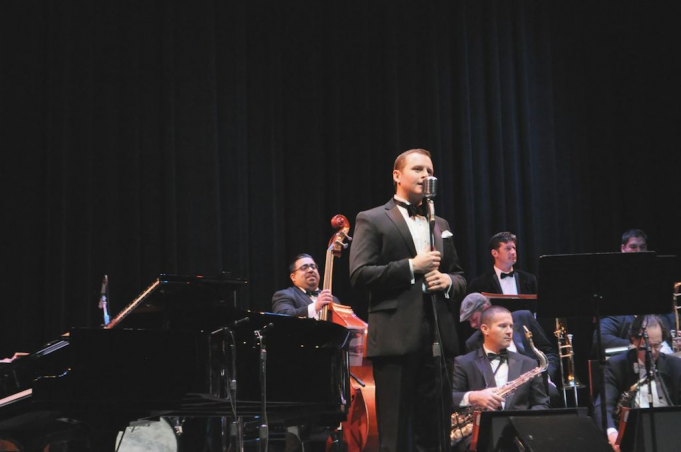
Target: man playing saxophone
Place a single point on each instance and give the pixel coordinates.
(480, 375)
(626, 376)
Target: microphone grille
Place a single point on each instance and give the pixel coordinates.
(430, 187)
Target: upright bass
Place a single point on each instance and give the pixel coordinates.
(360, 430)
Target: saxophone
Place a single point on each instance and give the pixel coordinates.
(627, 398)
(462, 420)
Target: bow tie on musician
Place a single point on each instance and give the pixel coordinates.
(501, 356)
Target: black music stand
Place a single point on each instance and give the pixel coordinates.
(604, 284)
(637, 435)
(562, 433)
(496, 430)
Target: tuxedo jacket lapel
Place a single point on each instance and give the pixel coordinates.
(398, 220)
(303, 298)
(495, 281)
(485, 368)
(437, 232)
(514, 368)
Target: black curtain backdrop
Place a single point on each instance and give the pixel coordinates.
(148, 137)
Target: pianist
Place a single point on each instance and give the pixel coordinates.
(303, 299)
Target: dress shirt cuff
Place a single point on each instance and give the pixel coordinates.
(449, 287)
(464, 400)
(311, 313)
(411, 270)
(611, 431)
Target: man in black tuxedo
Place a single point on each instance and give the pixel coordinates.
(391, 258)
(503, 278)
(626, 369)
(478, 374)
(303, 299)
(475, 304)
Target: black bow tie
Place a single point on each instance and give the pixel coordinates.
(313, 293)
(507, 275)
(412, 210)
(502, 355)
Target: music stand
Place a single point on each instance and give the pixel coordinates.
(491, 429)
(557, 434)
(604, 284)
(636, 435)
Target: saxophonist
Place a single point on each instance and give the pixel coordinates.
(626, 377)
(478, 374)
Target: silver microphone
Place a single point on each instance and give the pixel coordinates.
(430, 187)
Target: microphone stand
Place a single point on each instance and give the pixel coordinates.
(652, 373)
(437, 340)
(263, 429)
(228, 387)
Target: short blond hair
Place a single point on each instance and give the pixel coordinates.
(399, 161)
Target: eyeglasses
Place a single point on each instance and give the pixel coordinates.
(652, 347)
(305, 267)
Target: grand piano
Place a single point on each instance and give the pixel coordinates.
(181, 350)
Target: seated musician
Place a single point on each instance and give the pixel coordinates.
(479, 374)
(303, 299)
(472, 308)
(625, 370)
(615, 329)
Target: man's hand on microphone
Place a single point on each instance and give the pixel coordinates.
(426, 262)
(323, 299)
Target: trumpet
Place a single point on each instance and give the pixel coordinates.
(567, 361)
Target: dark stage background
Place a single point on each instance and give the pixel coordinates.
(149, 137)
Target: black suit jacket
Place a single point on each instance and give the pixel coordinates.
(489, 282)
(379, 262)
(473, 372)
(520, 319)
(292, 301)
(620, 376)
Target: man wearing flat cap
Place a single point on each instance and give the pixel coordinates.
(471, 309)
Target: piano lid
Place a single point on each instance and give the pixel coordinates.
(182, 302)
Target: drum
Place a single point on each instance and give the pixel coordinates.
(149, 436)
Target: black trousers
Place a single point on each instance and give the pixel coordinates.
(413, 402)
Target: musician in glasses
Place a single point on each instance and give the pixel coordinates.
(303, 299)
(627, 374)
